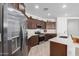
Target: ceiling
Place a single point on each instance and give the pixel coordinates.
(53, 10)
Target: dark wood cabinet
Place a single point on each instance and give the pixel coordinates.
(58, 49)
(32, 41)
(33, 23)
(50, 25)
(49, 36)
(36, 39)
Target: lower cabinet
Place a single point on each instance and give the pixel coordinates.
(32, 41)
(58, 49)
(49, 36)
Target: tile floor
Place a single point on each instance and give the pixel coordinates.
(43, 49)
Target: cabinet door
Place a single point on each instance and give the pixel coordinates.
(33, 23)
(57, 49)
(51, 25)
(32, 41)
(43, 25)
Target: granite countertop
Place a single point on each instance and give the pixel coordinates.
(48, 33)
(66, 41)
(31, 35)
(37, 34)
(60, 40)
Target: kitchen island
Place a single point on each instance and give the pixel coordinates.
(70, 48)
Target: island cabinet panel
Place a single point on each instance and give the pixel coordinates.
(58, 49)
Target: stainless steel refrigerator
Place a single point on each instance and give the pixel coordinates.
(14, 34)
(0, 29)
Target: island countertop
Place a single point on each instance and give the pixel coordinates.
(66, 41)
(71, 47)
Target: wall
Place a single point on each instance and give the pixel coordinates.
(62, 25)
(51, 31)
(73, 27)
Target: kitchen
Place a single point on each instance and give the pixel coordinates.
(60, 27)
(39, 29)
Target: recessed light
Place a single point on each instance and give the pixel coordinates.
(48, 14)
(64, 6)
(36, 6)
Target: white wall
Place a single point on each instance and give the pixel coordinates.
(51, 31)
(73, 27)
(62, 24)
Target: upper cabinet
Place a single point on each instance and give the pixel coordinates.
(34, 23)
(50, 25)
